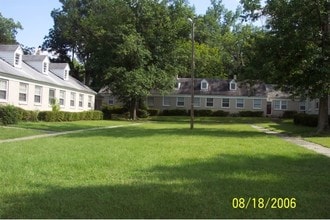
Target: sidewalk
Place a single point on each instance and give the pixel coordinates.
(62, 133)
(296, 140)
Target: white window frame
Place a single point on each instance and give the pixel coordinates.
(166, 101)
(72, 99)
(317, 104)
(111, 100)
(23, 91)
(37, 94)
(81, 100)
(45, 67)
(177, 86)
(232, 85)
(222, 103)
(302, 106)
(281, 105)
(209, 101)
(62, 98)
(240, 103)
(17, 59)
(90, 101)
(4, 89)
(206, 87)
(257, 105)
(51, 99)
(180, 101)
(197, 102)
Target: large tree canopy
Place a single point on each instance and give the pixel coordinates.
(295, 52)
(8, 30)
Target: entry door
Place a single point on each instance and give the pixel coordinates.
(269, 108)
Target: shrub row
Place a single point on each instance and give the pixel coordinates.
(250, 113)
(108, 111)
(306, 120)
(52, 116)
(10, 114)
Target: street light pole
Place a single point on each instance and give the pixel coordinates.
(192, 72)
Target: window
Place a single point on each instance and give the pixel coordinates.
(51, 99)
(90, 101)
(17, 59)
(37, 94)
(151, 101)
(180, 101)
(280, 105)
(257, 103)
(45, 67)
(166, 101)
(204, 85)
(197, 102)
(81, 100)
(72, 99)
(111, 100)
(209, 102)
(23, 91)
(233, 85)
(3, 89)
(225, 103)
(66, 74)
(177, 85)
(317, 104)
(239, 103)
(302, 106)
(62, 98)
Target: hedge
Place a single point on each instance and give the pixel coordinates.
(220, 113)
(54, 116)
(174, 112)
(289, 114)
(109, 110)
(9, 114)
(251, 113)
(304, 119)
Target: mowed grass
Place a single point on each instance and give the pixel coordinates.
(161, 170)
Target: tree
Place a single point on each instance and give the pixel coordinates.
(296, 49)
(8, 30)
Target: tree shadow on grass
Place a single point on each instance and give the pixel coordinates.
(141, 131)
(191, 189)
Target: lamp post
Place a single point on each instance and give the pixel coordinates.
(192, 72)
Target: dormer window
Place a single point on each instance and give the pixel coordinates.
(233, 85)
(177, 85)
(204, 85)
(18, 59)
(66, 74)
(45, 67)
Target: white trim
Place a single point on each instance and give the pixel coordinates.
(253, 104)
(6, 89)
(240, 103)
(169, 100)
(177, 101)
(206, 102)
(223, 102)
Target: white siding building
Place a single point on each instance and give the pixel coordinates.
(31, 82)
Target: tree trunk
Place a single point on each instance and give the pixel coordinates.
(323, 121)
(133, 108)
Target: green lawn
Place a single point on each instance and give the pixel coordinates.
(288, 127)
(161, 170)
(12, 132)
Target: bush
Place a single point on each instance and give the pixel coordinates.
(51, 116)
(289, 114)
(202, 112)
(174, 112)
(9, 114)
(153, 112)
(141, 113)
(251, 113)
(220, 113)
(304, 119)
(109, 110)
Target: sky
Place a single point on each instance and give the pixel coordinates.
(34, 16)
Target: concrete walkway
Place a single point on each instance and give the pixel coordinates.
(297, 140)
(63, 133)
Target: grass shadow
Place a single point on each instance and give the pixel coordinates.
(191, 189)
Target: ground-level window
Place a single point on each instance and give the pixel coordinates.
(90, 101)
(37, 94)
(51, 97)
(209, 102)
(197, 102)
(280, 105)
(62, 97)
(239, 103)
(317, 104)
(166, 101)
(72, 99)
(225, 103)
(257, 103)
(151, 101)
(23, 92)
(302, 106)
(81, 100)
(3, 89)
(111, 100)
(180, 101)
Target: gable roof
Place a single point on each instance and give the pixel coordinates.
(220, 87)
(4, 47)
